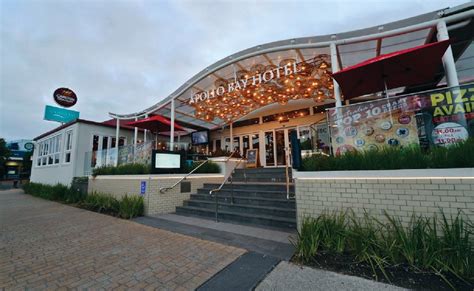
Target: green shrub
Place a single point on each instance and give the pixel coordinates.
(127, 207)
(131, 206)
(126, 169)
(391, 158)
(207, 168)
(438, 245)
(57, 192)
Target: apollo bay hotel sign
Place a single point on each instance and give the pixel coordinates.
(238, 85)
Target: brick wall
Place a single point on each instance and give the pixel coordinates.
(399, 196)
(155, 202)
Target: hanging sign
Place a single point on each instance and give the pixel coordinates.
(65, 97)
(60, 114)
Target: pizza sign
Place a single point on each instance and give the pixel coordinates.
(65, 97)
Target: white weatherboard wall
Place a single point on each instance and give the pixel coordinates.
(399, 192)
(63, 173)
(59, 173)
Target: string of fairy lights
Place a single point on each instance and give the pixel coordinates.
(312, 80)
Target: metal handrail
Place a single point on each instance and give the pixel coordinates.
(164, 189)
(222, 185)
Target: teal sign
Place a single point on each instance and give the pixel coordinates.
(60, 114)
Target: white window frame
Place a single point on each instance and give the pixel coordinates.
(68, 145)
(49, 151)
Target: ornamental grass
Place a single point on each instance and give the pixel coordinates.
(439, 244)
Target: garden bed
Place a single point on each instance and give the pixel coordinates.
(434, 253)
(127, 207)
(401, 275)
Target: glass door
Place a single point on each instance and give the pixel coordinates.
(269, 149)
(280, 146)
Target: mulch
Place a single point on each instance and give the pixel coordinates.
(400, 275)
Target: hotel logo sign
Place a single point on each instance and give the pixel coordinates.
(65, 97)
(267, 76)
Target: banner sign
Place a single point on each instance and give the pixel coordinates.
(372, 125)
(60, 114)
(450, 115)
(440, 117)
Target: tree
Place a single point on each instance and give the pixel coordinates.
(4, 155)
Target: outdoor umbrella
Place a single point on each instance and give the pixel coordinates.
(407, 67)
(156, 123)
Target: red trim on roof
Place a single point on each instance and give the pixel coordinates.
(81, 121)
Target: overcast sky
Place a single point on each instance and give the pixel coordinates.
(124, 56)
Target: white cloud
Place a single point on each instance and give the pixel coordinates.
(123, 56)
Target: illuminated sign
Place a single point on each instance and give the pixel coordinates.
(267, 76)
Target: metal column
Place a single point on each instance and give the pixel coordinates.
(172, 126)
(135, 135)
(117, 134)
(145, 131)
(335, 68)
(448, 59)
(231, 146)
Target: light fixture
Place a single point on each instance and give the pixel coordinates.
(313, 80)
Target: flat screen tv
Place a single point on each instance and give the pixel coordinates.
(200, 137)
(166, 162)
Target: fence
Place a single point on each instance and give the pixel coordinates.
(127, 154)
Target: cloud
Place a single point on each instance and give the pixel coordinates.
(124, 56)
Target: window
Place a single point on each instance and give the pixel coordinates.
(49, 151)
(67, 155)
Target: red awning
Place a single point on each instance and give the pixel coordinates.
(156, 123)
(412, 66)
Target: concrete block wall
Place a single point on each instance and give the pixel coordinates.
(399, 196)
(155, 202)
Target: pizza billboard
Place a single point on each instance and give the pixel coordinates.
(440, 118)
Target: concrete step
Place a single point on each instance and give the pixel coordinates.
(246, 218)
(259, 179)
(246, 200)
(241, 208)
(250, 193)
(255, 186)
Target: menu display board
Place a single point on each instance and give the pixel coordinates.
(252, 156)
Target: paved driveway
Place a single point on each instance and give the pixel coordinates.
(45, 244)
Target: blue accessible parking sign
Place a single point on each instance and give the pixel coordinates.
(142, 187)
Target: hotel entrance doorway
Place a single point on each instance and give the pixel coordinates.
(277, 146)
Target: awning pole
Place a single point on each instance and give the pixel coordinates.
(231, 138)
(145, 131)
(117, 133)
(335, 68)
(135, 137)
(172, 126)
(448, 59)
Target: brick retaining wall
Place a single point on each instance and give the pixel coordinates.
(400, 195)
(155, 202)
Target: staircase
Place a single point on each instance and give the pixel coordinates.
(259, 199)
